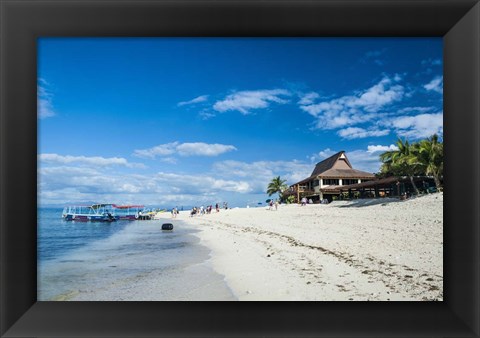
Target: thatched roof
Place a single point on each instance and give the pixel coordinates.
(336, 166)
(346, 173)
(328, 163)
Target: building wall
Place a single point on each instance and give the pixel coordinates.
(316, 189)
(340, 182)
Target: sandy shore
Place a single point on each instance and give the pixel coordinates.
(359, 250)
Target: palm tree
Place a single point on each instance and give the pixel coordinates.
(276, 185)
(430, 156)
(402, 161)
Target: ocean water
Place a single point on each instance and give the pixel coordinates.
(123, 260)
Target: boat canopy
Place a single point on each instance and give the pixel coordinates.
(127, 206)
(102, 205)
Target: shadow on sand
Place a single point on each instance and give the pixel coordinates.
(367, 202)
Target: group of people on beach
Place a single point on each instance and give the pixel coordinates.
(273, 203)
(208, 210)
(304, 201)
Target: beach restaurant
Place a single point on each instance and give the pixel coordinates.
(394, 186)
(328, 175)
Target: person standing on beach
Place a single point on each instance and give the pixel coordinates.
(193, 212)
(216, 207)
(276, 204)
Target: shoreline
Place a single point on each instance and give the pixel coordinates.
(139, 263)
(377, 250)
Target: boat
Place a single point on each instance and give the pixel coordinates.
(146, 214)
(128, 212)
(90, 213)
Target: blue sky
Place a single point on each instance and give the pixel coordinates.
(191, 121)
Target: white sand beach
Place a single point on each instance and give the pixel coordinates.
(375, 250)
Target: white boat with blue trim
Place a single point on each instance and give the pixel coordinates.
(91, 213)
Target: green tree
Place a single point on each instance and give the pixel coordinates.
(290, 199)
(276, 185)
(402, 161)
(429, 154)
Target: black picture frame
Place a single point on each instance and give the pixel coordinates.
(23, 21)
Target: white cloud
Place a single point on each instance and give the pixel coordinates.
(198, 99)
(355, 132)
(45, 108)
(258, 174)
(321, 155)
(185, 149)
(200, 184)
(364, 160)
(160, 150)
(419, 126)
(308, 98)
(203, 149)
(62, 184)
(245, 101)
(435, 85)
(68, 196)
(379, 95)
(58, 172)
(326, 153)
(374, 56)
(362, 107)
(67, 184)
(84, 180)
(44, 100)
(92, 160)
(379, 148)
(205, 115)
(432, 62)
(171, 160)
(407, 110)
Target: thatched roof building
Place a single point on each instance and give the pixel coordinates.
(327, 176)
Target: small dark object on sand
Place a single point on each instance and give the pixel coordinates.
(167, 226)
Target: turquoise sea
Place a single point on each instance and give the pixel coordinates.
(123, 260)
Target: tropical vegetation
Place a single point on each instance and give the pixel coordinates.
(430, 156)
(423, 158)
(276, 185)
